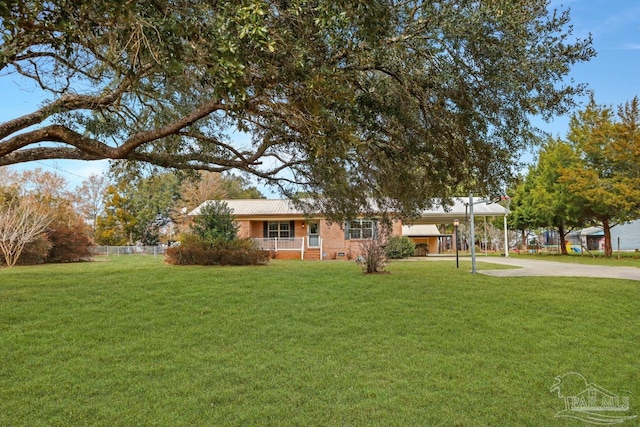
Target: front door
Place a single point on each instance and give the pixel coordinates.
(314, 235)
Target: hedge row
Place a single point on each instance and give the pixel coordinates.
(235, 254)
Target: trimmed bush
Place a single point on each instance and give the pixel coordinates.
(213, 241)
(399, 247)
(195, 251)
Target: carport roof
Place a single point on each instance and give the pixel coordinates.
(460, 211)
(421, 230)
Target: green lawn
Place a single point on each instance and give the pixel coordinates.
(627, 259)
(132, 341)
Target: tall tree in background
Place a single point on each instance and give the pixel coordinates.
(216, 186)
(116, 225)
(607, 176)
(152, 201)
(522, 211)
(89, 198)
(553, 204)
(395, 101)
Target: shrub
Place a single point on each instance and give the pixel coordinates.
(66, 241)
(70, 241)
(399, 247)
(194, 250)
(35, 252)
(372, 256)
(422, 249)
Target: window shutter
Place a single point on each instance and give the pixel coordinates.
(265, 229)
(375, 228)
(347, 226)
(292, 229)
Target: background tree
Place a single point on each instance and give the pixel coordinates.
(552, 203)
(115, 227)
(215, 186)
(22, 220)
(395, 101)
(522, 210)
(152, 202)
(607, 177)
(41, 193)
(238, 187)
(70, 236)
(137, 207)
(89, 198)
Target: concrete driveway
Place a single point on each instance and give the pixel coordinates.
(530, 267)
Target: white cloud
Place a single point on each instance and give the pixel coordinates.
(631, 46)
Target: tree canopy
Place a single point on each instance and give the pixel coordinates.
(398, 102)
(553, 204)
(607, 176)
(590, 178)
(37, 221)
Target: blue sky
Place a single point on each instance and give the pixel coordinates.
(613, 75)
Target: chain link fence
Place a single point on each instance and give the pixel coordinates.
(128, 250)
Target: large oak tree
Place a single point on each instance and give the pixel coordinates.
(401, 101)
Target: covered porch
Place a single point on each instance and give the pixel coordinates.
(287, 238)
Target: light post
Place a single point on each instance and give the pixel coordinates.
(456, 223)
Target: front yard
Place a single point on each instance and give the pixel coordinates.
(132, 341)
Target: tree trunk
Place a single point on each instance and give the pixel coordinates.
(606, 227)
(562, 233)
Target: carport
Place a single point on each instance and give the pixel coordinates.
(465, 210)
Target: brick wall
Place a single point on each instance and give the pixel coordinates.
(334, 245)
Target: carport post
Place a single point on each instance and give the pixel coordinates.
(456, 223)
(472, 236)
(506, 238)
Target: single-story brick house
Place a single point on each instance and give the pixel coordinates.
(281, 227)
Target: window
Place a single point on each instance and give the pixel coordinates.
(281, 230)
(361, 229)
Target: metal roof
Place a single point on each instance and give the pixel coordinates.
(420, 230)
(257, 207)
(460, 211)
(437, 215)
(592, 231)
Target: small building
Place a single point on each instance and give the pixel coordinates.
(626, 237)
(426, 237)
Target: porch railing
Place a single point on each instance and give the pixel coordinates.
(281, 243)
(287, 244)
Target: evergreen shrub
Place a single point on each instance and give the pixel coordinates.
(399, 247)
